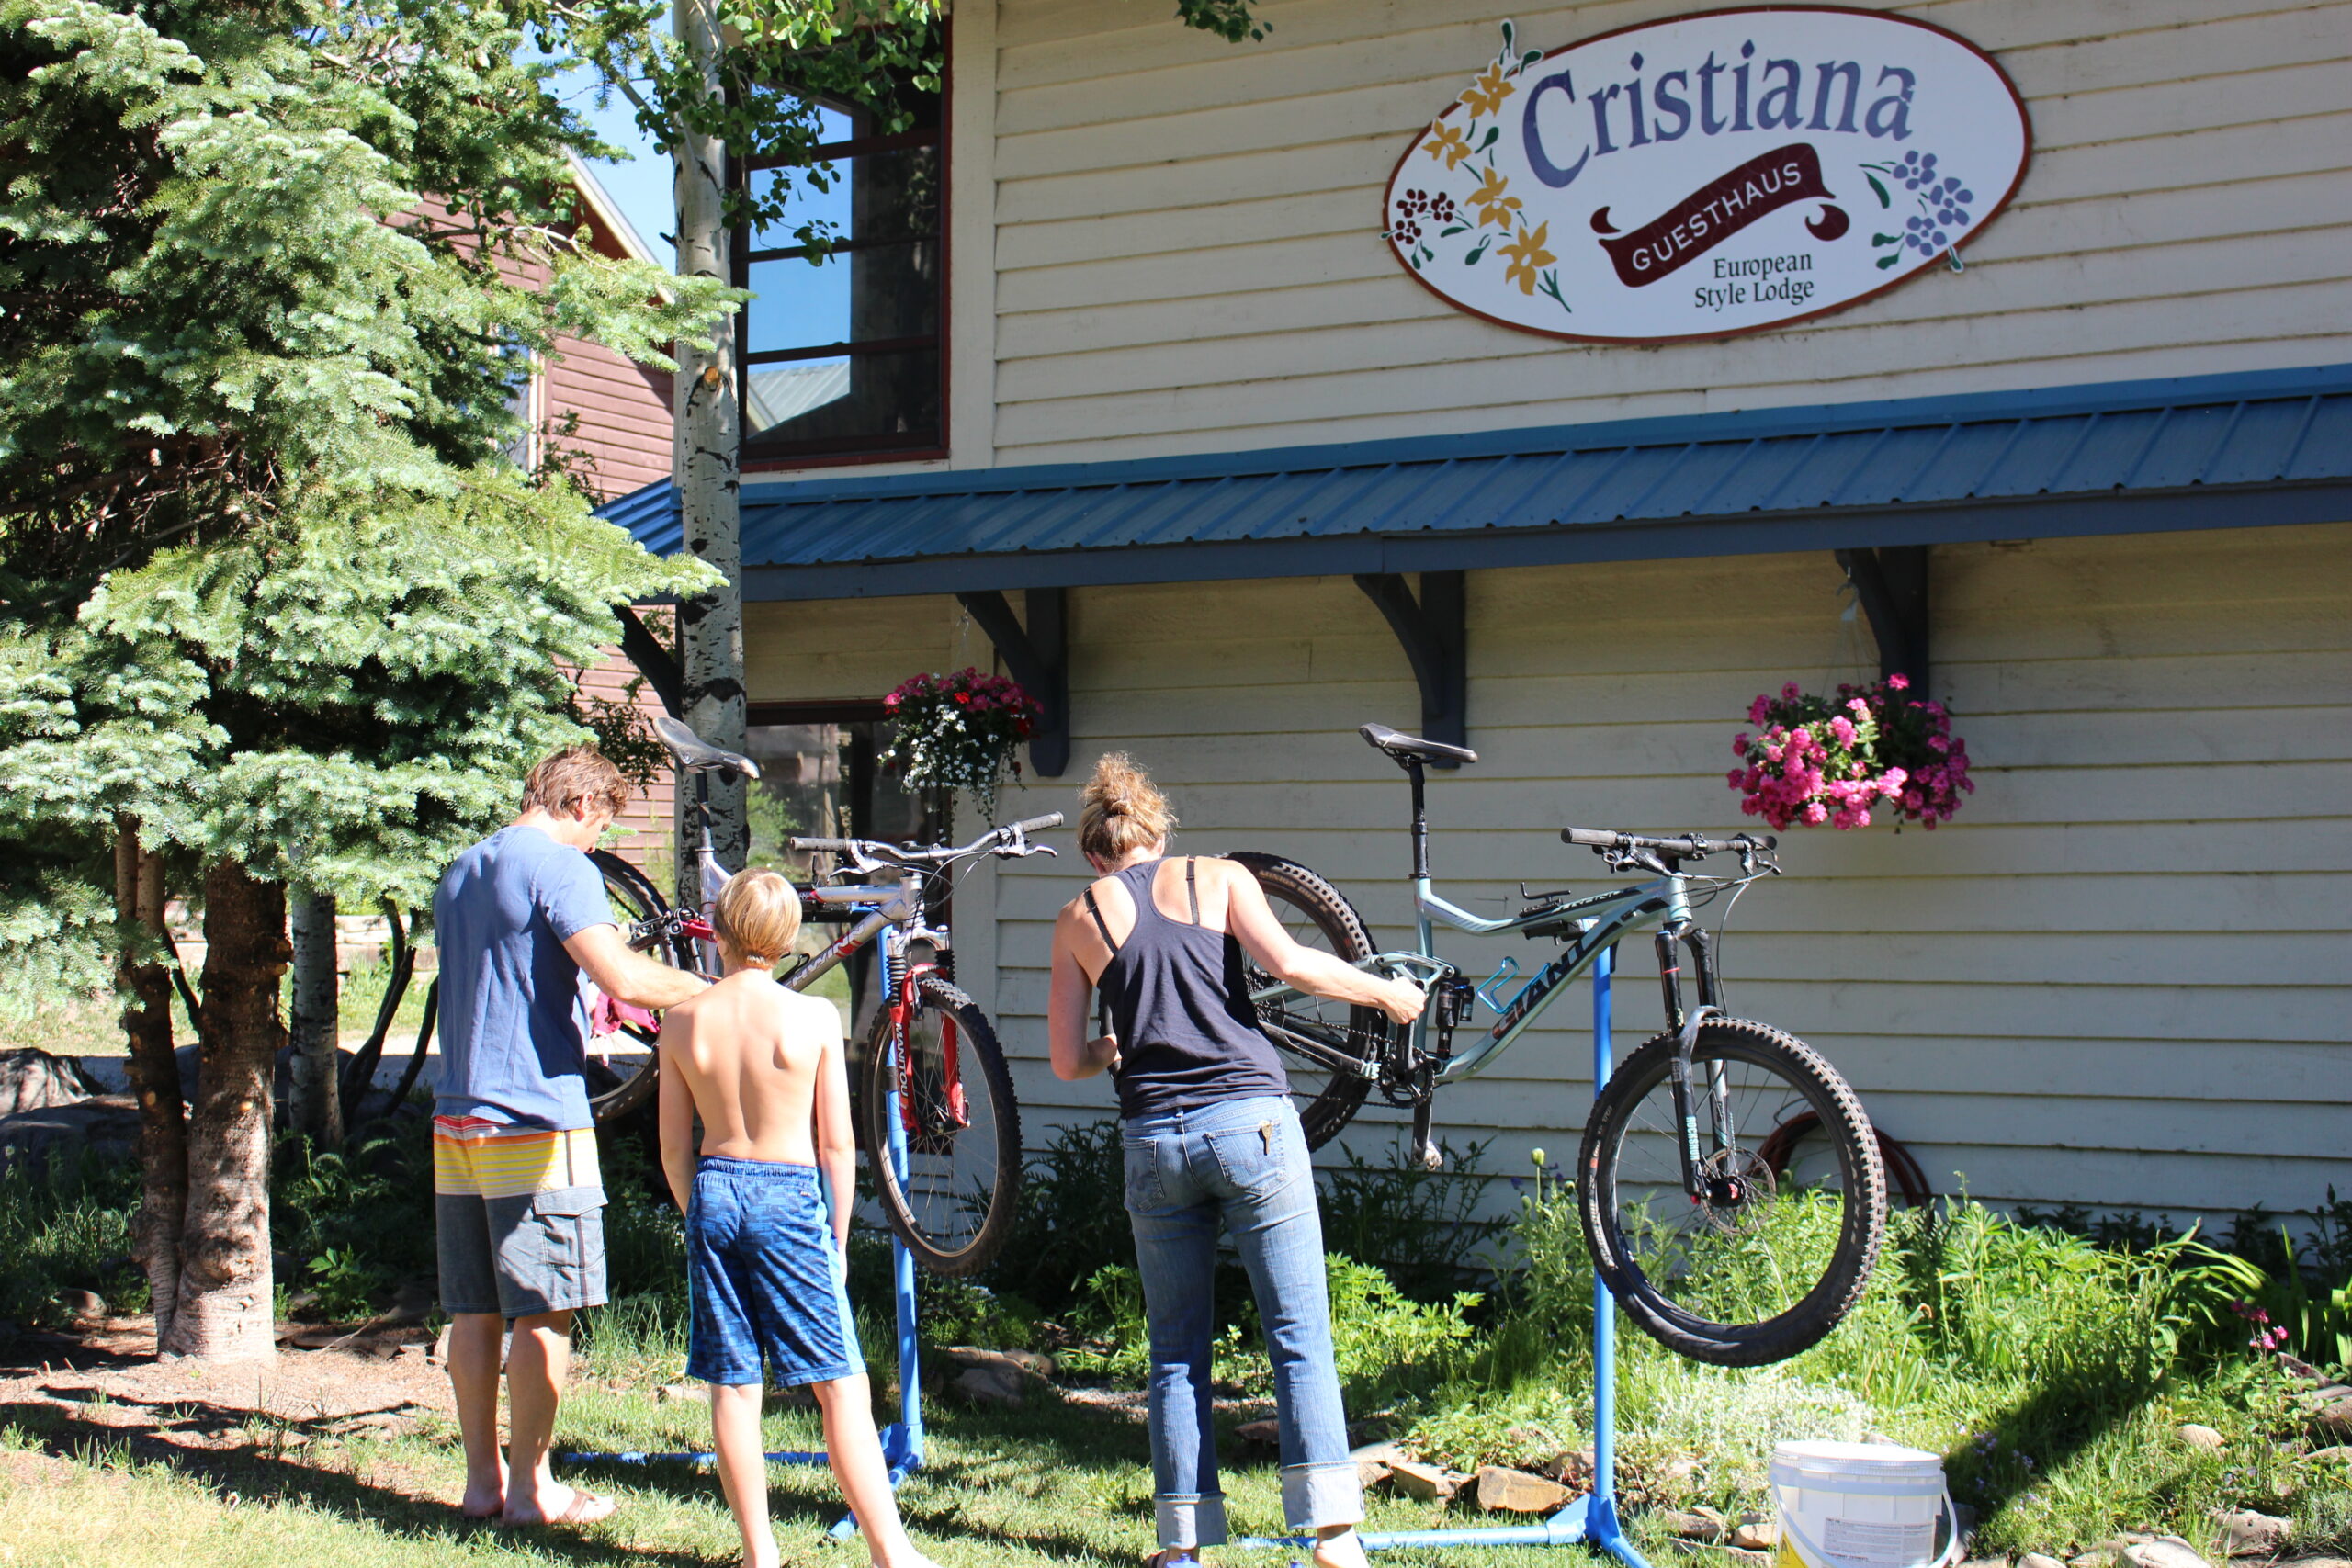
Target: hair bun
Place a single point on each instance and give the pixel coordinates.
(1120, 809)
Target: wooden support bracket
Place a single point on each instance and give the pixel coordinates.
(1891, 581)
(658, 664)
(1433, 631)
(1037, 656)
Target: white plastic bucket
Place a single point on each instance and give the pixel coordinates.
(1861, 1505)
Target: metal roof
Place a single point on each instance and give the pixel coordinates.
(2115, 457)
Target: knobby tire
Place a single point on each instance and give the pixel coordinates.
(1862, 1182)
(1325, 1111)
(877, 1099)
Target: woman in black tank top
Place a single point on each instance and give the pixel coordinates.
(1211, 1138)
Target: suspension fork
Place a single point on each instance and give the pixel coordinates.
(1680, 932)
(950, 1106)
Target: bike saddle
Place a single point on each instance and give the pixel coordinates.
(694, 754)
(1401, 746)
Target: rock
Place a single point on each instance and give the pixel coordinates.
(1372, 1461)
(2036, 1560)
(440, 1351)
(383, 1351)
(1985, 1562)
(2199, 1437)
(35, 1080)
(83, 1306)
(1006, 1385)
(2165, 1552)
(1755, 1533)
(2249, 1534)
(1028, 1361)
(1573, 1465)
(2335, 1418)
(2098, 1557)
(681, 1392)
(107, 1125)
(1695, 1524)
(1516, 1492)
(1266, 1434)
(1426, 1482)
(1963, 1521)
(2340, 1454)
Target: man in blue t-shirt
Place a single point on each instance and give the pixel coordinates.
(519, 919)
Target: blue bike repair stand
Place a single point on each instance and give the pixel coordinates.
(1590, 1519)
(902, 1439)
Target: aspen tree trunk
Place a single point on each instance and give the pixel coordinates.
(154, 1075)
(706, 463)
(314, 1091)
(222, 1311)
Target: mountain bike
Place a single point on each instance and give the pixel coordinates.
(1708, 1248)
(929, 1054)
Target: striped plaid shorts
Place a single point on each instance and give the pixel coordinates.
(520, 1213)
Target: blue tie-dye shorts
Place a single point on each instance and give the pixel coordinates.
(766, 1276)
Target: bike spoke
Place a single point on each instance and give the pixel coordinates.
(1754, 1243)
(947, 1118)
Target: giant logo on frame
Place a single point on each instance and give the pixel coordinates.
(1708, 176)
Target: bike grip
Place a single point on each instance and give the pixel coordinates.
(1039, 823)
(823, 846)
(1595, 837)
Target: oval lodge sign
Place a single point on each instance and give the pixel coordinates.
(1708, 176)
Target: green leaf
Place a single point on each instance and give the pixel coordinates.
(1456, 229)
(1493, 133)
(1883, 199)
(1886, 239)
(1885, 262)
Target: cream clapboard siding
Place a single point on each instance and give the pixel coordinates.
(1187, 255)
(2120, 977)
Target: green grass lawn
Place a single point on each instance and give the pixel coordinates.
(1056, 1481)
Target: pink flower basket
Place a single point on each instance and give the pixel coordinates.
(1815, 760)
(958, 731)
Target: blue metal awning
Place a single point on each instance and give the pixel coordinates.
(2204, 452)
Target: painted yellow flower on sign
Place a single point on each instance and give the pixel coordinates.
(1493, 206)
(1446, 141)
(1527, 256)
(1488, 90)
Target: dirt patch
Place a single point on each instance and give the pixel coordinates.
(106, 1385)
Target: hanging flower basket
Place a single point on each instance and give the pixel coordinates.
(958, 731)
(1815, 760)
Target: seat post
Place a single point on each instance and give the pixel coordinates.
(1421, 821)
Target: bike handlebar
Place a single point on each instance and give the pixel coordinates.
(1010, 840)
(1686, 846)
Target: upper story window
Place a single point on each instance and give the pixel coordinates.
(845, 354)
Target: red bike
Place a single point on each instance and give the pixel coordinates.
(947, 1164)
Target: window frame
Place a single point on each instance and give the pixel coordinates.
(870, 449)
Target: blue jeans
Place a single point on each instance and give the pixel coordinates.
(1242, 1162)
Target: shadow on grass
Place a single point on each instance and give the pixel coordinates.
(254, 1470)
(970, 1451)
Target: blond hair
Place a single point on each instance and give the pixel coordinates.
(757, 915)
(576, 775)
(1120, 811)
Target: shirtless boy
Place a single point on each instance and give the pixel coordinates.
(760, 1065)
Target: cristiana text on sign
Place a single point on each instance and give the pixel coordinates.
(1638, 112)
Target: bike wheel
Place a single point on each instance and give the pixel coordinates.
(1761, 1268)
(944, 1077)
(624, 1066)
(1317, 915)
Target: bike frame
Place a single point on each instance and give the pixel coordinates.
(1590, 926)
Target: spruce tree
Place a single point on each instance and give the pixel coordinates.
(272, 610)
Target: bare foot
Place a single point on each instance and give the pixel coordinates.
(1344, 1549)
(910, 1558)
(484, 1501)
(558, 1505)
